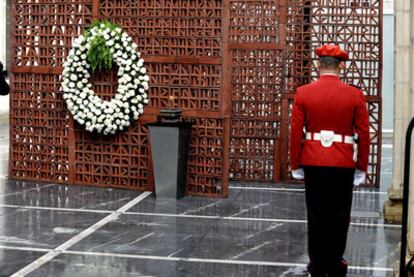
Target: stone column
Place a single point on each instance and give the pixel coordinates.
(403, 106)
(410, 113)
(403, 113)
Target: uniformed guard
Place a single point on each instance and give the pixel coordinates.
(329, 147)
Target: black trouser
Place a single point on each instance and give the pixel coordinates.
(328, 202)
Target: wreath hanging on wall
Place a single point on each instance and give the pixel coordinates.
(102, 44)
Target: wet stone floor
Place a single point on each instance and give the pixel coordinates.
(260, 230)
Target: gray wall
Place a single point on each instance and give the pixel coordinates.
(8, 20)
(388, 72)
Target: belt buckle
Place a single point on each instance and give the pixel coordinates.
(327, 138)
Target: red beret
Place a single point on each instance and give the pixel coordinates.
(331, 50)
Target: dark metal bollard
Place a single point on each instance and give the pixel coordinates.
(406, 191)
(170, 143)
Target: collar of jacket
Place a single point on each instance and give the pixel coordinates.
(329, 76)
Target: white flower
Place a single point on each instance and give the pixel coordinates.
(73, 77)
(143, 70)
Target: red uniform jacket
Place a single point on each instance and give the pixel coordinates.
(329, 104)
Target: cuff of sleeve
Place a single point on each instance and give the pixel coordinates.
(294, 167)
(362, 168)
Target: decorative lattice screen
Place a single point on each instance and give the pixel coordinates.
(231, 65)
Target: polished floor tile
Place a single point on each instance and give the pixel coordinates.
(68, 265)
(60, 196)
(13, 260)
(260, 204)
(91, 266)
(20, 227)
(231, 240)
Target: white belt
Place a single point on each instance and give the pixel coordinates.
(336, 138)
(328, 137)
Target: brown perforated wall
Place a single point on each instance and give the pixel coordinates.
(231, 65)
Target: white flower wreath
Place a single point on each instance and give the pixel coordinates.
(88, 109)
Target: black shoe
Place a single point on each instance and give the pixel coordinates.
(339, 269)
(314, 271)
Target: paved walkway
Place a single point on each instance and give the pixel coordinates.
(4, 104)
(260, 230)
(4, 110)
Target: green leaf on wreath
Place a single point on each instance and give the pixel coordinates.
(99, 56)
